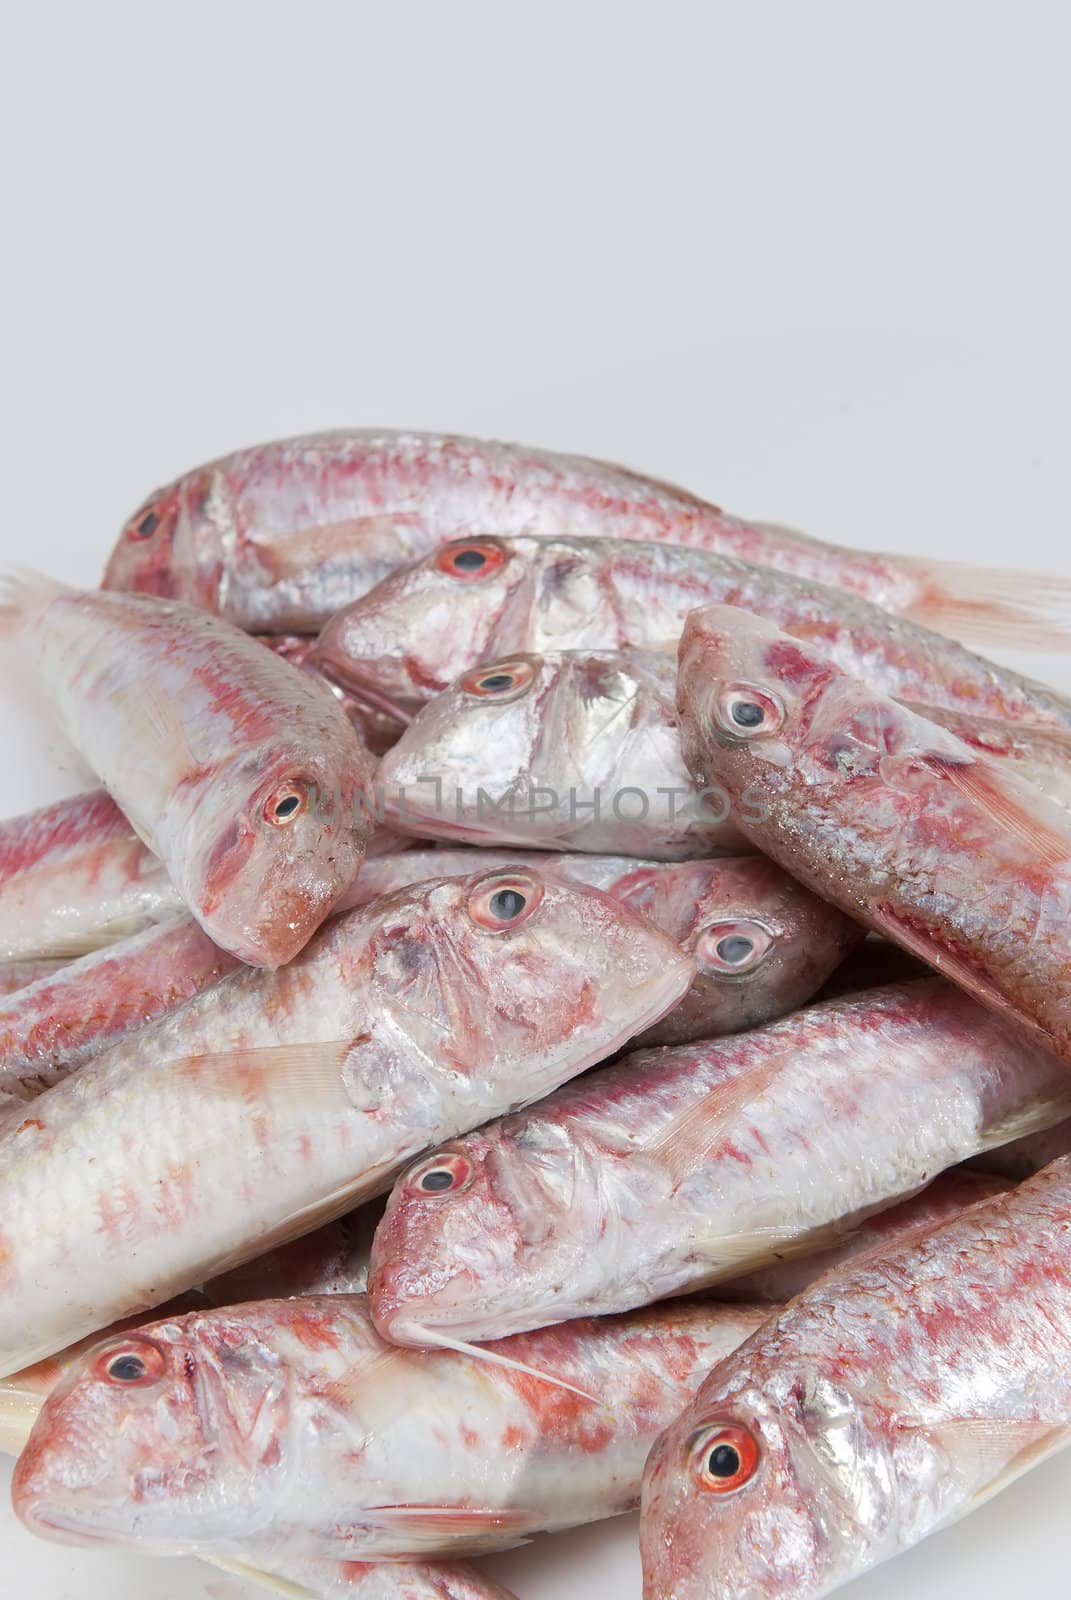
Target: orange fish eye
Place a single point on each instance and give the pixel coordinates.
(504, 900)
(733, 948)
(724, 1457)
(446, 1173)
(747, 711)
(470, 559)
(133, 1364)
(286, 803)
(504, 680)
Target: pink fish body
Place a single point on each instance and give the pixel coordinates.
(23, 1395)
(1041, 756)
(885, 814)
(239, 771)
(331, 1260)
(280, 536)
(289, 1426)
(890, 1399)
(945, 1197)
(16, 975)
(477, 601)
(762, 945)
(64, 1019)
(676, 1169)
(276, 1101)
(75, 876)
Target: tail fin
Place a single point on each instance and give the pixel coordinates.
(23, 596)
(990, 606)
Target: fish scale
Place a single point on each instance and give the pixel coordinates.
(198, 733)
(276, 1100)
(886, 814)
(418, 630)
(73, 876)
(280, 536)
(371, 1452)
(60, 1020)
(886, 1401)
(689, 1166)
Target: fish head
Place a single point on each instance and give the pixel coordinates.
(171, 545)
(503, 753)
(469, 749)
(272, 843)
(762, 944)
(470, 1245)
(512, 978)
(760, 1491)
(418, 630)
(760, 709)
(165, 1438)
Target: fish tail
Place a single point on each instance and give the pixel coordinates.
(992, 606)
(23, 596)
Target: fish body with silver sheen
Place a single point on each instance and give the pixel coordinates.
(679, 1168)
(890, 1399)
(274, 1102)
(478, 600)
(886, 814)
(279, 536)
(237, 769)
(289, 1428)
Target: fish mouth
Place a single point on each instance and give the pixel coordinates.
(663, 996)
(361, 690)
(52, 1521)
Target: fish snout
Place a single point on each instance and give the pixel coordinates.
(53, 1476)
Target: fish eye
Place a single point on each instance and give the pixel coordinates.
(747, 714)
(470, 558)
(732, 949)
(442, 1174)
(724, 1458)
(286, 803)
(126, 1369)
(505, 680)
(144, 525)
(744, 710)
(132, 1365)
(503, 901)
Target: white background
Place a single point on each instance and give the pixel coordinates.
(812, 261)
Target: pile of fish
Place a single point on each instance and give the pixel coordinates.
(559, 1000)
